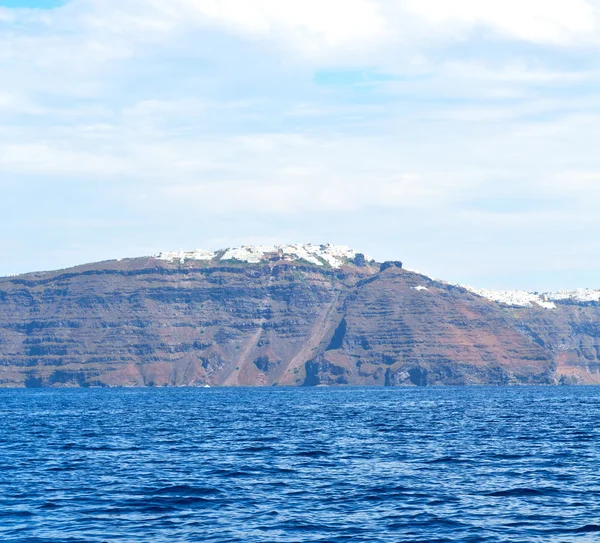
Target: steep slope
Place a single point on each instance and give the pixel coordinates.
(294, 315)
(159, 323)
(402, 328)
(571, 333)
(566, 324)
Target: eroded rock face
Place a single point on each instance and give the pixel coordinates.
(170, 322)
(397, 334)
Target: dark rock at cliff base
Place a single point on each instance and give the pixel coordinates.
(151, 322)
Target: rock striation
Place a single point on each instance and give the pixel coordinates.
(296, 315)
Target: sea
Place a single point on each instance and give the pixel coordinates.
(389, 465)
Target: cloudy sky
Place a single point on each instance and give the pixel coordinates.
(460, 136)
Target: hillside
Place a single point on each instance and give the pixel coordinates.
(295, 315)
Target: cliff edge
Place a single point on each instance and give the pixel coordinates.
(297, 315)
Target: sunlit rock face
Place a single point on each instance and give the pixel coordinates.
(293, 315)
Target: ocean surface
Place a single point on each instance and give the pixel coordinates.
(300, 465)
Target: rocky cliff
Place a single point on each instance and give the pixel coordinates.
(297, 315)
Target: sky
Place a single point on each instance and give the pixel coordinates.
(459, 136)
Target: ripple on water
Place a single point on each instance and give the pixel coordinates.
(389, 465)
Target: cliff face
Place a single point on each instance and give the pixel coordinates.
(402, 328)
(571, 333)
(155, 322)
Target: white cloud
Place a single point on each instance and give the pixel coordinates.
(554, 21)
(315, 26)
(51, 159)
(577, 183)
(196, 110)
(328, 23)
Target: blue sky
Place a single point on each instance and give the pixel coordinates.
(458, 136)
(31, 4)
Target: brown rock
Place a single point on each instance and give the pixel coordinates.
(145, 322)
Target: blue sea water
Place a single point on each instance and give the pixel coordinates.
(300, 465)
